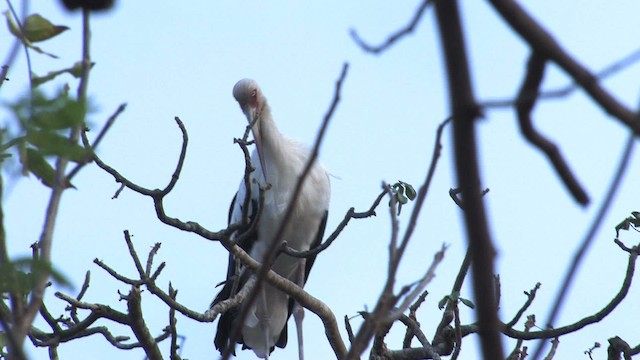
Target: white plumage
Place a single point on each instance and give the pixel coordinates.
(279, 162)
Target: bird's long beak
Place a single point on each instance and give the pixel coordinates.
(257, 137)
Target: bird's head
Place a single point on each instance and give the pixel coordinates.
(251, 100)
(248, 94)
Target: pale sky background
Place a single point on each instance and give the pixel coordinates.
(182, 59)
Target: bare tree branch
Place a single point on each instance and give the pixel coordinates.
(566, 90)
(590, 236)
(172, 326)
(531, 295)
(137, 324)
(24, 317)
(351, 214)
(392, 39)
(386, 301)
(465, 110)
(542, 42)
(588, 320)
(524, 105)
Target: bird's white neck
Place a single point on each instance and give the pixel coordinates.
(272, 142)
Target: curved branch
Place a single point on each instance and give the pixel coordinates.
(408, 29)
(542, 42)
(524, 105)
(183, 154)
(351, 214)
(590, 236)
(553, 333)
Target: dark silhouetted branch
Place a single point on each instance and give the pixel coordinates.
(590, 236)
(377, 49)
(138, 326)
(588, 320)
(524, 105)
(566, 90)
(543, 43)
(464, 110)
(531, 295)
(351, 214)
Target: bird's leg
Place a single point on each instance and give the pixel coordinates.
(264, 322)
(298, 311)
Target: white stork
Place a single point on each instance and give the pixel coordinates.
(279, 162)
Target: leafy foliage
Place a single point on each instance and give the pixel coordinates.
(35, 28)
(18, 276)
(632, 221)
(42, 120)
(456, 298)
(403, 192)
(75, 71)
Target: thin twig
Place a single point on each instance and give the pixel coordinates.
(581, 251)
(172, 326)
(92, 147)
(531, 295)
(24, 319)
(588, 320)
(3, 74)
(351, 214)
(387, 300)
(392, 39)
(181, 158)
(566, 90)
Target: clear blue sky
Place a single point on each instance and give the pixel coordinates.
(183, 60)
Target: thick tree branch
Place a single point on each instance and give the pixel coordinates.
(138, 326)
(465, 110)
(524, 106)
(566, 90)
(543, 43)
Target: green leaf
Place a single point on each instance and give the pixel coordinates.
(38, 267)
(633, 220)
(57, 113)
(11, 24)
(400, 196)
(52, 143)
(39, 30)
(38, 166)
(36, 28)
(20, 275)
(75, 71)
(443, 302)
(468, 303)
(3, 345)
(410, 191)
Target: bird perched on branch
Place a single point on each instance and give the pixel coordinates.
(278, 163)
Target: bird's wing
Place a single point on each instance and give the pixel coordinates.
(282, 340)
(235, 279)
